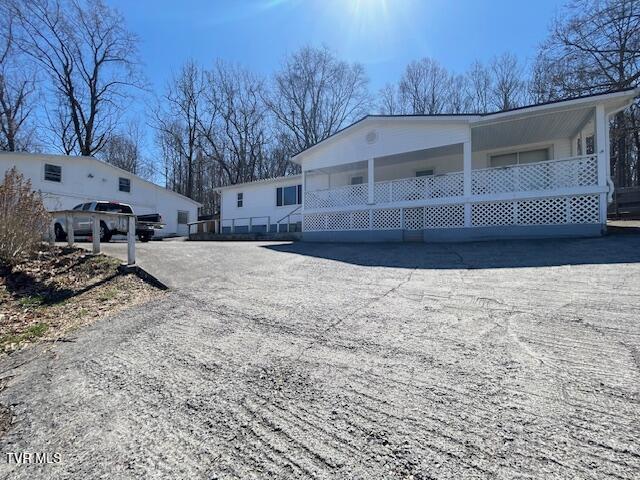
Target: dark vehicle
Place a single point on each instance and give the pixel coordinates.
(109, 226)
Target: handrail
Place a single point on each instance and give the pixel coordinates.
(290, 213)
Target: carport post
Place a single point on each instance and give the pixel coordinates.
(69, 223)
(95, 232)
(131, 241)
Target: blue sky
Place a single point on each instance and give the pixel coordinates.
(384, 35)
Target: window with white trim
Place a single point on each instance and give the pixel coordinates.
(424, 173)
(357, 180)
(240, 199)
(124, 184)
(52, 173)
(289, 195)
(519, 157)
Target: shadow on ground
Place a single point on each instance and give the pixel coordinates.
(620, 246)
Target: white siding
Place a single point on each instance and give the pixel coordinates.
(259, 200)
(560, 148)
(85, 179)
(393, 136)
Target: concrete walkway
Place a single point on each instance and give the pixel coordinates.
(489, 360)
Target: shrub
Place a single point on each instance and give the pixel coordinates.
(24, 221)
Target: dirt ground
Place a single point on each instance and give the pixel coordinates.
(497, 360)
(61, 289)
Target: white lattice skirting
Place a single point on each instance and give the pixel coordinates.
(570, 210)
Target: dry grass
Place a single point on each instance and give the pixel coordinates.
(61, 289)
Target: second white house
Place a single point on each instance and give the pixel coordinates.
(66, 181)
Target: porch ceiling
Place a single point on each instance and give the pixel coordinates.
(530, 129)
(342, 168)
(428, 153)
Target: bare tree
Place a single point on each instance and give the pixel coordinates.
(594, 46)
(389, 102)
(177, 120)
(315, 95)
(599, 43)
(542, 86)
(123, 149)
(508, 86)
(17, 87)
(424, 87)
(91, 60)
(459, 99)
(480, 86)
(235, 129)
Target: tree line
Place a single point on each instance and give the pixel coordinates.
(69, 69)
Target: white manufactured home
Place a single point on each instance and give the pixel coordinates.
(66, 181)
(536, 171)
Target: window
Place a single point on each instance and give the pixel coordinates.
(240, 200)
(124, 184)
(357, 180)
(590, 146)
(183, 217)
(517, 158)
(424, 173)
(86, 206)
(113, 207)
(289, 195)
(53, 173)
(579, 147)
(78, 207)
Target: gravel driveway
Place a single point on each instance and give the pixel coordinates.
(487, 361)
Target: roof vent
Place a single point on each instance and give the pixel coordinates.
(371, 137)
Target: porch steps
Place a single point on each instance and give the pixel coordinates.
(245, 237)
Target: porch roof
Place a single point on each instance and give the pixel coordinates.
(562, 117)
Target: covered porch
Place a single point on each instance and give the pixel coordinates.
(534, 167)
(547, 152)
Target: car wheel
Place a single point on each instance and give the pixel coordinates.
(105, 234)
(144, 237)
(59, 233)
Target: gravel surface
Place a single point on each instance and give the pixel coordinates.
(487, 361)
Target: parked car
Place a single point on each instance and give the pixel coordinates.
(109, 226)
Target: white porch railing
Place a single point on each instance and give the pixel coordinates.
(555, 192)
(552, 175)
(350, 195)
(420, 188)
(540, 176)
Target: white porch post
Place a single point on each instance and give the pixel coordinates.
(466, 158)
(370, 180)
(602, 150)
(304, 187)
